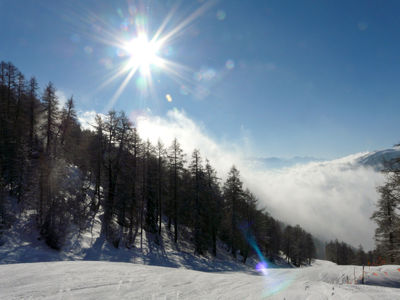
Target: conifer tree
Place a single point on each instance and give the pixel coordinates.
(387, 234)
(32, 111)
(214, 204)
(233, 193)
(116, 131)
(151, 188)
(135, 150)
(196, 171)
(176, 162)
(161, 184)
(50, 109)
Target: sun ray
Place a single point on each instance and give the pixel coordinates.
(176, 70)
(121, 89)
(151, 87)
(118, 73)
(165, 22)
(138, 53)
(196, 14)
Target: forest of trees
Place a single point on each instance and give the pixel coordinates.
(65, 175)
(61, 175)
(344, 254)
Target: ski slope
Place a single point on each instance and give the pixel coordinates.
(88, 267)
(110, 280)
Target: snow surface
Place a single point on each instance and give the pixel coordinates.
(21, 244)
(379, 159)
(111, 280)
(90, 268)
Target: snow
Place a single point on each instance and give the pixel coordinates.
(22, 245)
(379, 159)
(88, 267)
(111, 280)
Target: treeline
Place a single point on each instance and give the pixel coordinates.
(64, 175)
(345, 254)
(298, 245)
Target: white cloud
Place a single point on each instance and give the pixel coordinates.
(87, 119)
(62, 98)
(190, 135)
(333, 199)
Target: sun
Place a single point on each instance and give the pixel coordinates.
(138, 52)
(143, 54)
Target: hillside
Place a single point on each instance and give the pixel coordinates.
(379, 159)
(22, 244)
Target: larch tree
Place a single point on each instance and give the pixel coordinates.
(388, 219)
(135, 148)
(51, 112)
(233, 194)
(176, 163)
(116, 131)
(196, 171)
(161, 184)
(214, 204)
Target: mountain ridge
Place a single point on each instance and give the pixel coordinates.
(378, 159)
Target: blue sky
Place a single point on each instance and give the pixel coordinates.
(294, 78)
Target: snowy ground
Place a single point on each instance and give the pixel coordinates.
(110, 280)
(90, 268)
(21, 245)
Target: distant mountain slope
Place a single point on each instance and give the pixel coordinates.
(279, 162)
(379, 159)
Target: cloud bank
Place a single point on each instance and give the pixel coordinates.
(331, 199)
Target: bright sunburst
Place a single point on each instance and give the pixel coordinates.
(137, 53)
(143, 54)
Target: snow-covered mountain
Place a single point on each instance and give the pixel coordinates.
(379, 159)
(279, 162)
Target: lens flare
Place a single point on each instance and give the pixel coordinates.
(221, 15)
(262, 267)
(272, 284)
(230, 64)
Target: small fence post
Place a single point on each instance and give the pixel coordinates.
(362, 279)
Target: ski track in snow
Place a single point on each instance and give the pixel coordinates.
(110, 280)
